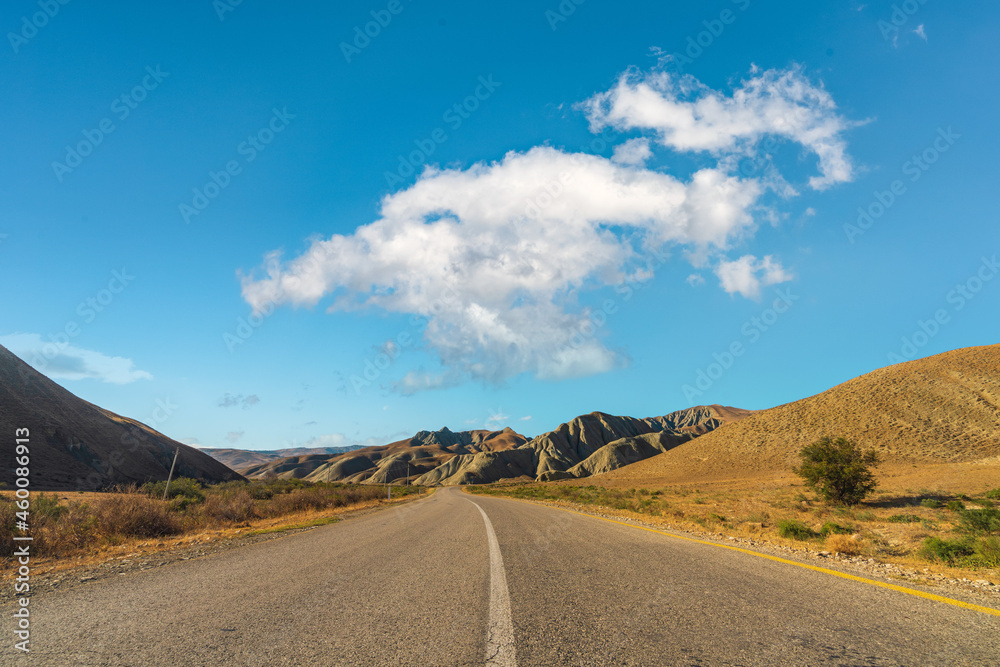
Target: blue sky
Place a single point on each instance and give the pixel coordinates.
(219, 218)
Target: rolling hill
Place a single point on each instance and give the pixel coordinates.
(75, 445)
(942, 409)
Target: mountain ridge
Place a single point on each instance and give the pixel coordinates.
(76, 445)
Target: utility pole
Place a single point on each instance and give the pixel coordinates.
(170, 476)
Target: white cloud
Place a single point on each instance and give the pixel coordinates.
(695, 279)
(234, 436)
(496, 418)
(238, 400)
(493, 256)
(747, 274)
(920, 32)
(526, 418)
(632, 152)
(689, 116)
(62, 361)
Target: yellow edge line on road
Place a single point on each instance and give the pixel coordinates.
(777, 559)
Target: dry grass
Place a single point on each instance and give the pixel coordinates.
(890, 527)
(65, 528)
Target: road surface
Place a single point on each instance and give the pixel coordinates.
(455, 579)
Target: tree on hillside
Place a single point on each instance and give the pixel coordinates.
(839, 470)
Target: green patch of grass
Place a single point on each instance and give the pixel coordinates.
(988, 551)
(831, 528)
(866, 516)
(902, 518)
(945, 550)
(955, 505)
(993, 495)
(980, 522)
(932, 503)
(796, 530)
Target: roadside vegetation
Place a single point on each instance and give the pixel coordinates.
(62, 528)
(917, 527)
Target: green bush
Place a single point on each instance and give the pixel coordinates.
(955, 505)
(903, 518)
(933, 503)
(979, 522)
(181, 487)
(838, 470)
(988, 551)
(831, 528)
(946, 551)
(994, 494)
(796, 530)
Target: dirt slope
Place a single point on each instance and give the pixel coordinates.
(76, 445)
(941, 409)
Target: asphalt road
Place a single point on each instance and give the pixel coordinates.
(443, 582)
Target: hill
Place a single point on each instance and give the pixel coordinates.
(589, 444)
(943, 409)
(247, 458)
(75, 445)
(394, 462)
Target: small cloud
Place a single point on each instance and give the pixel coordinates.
(695, 279)
(633, 152)
(526, 419)
(920, 32)
(496, 418)
(233, 436)
(62, 361)
(191, 442)
(416, 381)
(238, 400)
(747, 274)
(385, 407)
(809, 212)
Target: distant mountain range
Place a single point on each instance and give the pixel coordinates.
(246, 458)
(590, 444)
(412, 457)
(944, 408)
(75, 445)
